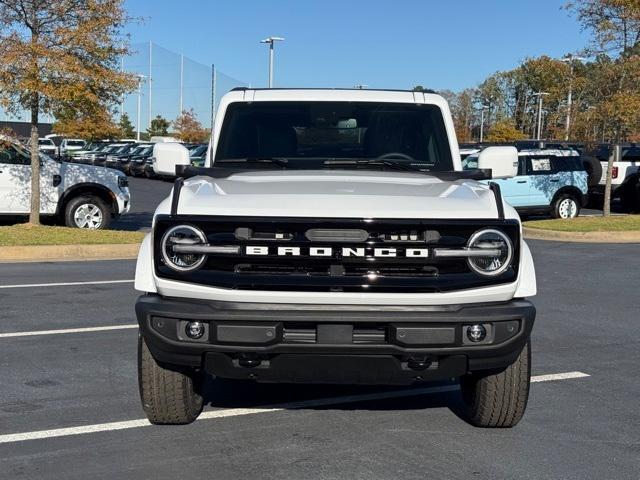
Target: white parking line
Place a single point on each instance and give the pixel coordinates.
(558, 376)
(67, 330)
(65, 284)
(235, 412)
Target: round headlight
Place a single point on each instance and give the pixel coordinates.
(186, 236)
(490, 251)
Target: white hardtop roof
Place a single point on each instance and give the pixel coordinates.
(331, 95)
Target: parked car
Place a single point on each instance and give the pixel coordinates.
(198, 155)
(549, 181)
(69, 145)
(79, 156)
(100, 157)
(623, 170)
(335, 239)
(46, 146)
(112, 158)
(137, 166)
(140, 150)
(79, 196)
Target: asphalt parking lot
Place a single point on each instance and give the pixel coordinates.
(69, 404)
(145, 196)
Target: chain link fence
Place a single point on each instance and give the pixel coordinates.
(169, 83)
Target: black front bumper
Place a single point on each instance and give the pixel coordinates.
(334, 343)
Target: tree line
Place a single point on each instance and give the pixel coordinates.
(589, 96)
(187, 127)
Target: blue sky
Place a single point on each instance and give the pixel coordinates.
(383, 44)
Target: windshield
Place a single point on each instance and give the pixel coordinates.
(45, 142)
(75, 143)
(313, 134)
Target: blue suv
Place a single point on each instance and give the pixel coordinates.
(549, 181)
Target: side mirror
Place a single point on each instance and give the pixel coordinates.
(502, 161)
(168, 156)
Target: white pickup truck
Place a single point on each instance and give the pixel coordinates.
(81, 196)
(332, 237)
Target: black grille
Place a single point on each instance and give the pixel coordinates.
(335, 272)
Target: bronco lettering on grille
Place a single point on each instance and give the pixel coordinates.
(330, 252)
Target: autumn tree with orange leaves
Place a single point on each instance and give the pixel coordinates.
(188, 128)
(60, 55)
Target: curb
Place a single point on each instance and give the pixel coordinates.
(57, 253)
(583, 237)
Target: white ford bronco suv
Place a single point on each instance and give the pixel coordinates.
(333, 237)
(80, 196)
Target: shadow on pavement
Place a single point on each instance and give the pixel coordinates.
(225, 393)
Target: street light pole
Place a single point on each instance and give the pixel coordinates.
(271, 41)
(484, 107)
(140, 79)
(540, 95)
(569, 59)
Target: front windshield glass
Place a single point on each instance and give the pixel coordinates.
(316, 134)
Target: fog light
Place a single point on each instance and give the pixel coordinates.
(476, 333)
(194, 330)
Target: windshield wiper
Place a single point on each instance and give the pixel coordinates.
(280, 161)
(370, 161)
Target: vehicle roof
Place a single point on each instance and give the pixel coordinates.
(331, 94)
(537, 151)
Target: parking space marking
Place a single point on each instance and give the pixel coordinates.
(235, 412)
(558, 376)
(66, 284)
(68, 330)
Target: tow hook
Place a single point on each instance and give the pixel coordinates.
(419, 363)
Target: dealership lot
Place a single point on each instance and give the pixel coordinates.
(71, 378)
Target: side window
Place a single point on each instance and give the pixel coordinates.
(539, 166)
(631, 154)
(522, 165)
(560, 164)
(10, 155)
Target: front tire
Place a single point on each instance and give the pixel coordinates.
(498, 400)
(169, 395)
(88, 212)
(565, 206)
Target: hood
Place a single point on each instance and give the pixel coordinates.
(337, 194)
(88, 173)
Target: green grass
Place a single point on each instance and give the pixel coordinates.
(25, 234)
(622, 223)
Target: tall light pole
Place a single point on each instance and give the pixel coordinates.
(150, 79)
(181, 85)
(569, 60)
(589, 110)
(539, 95)
(271, 41)
(140, 80)
(484, 107)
